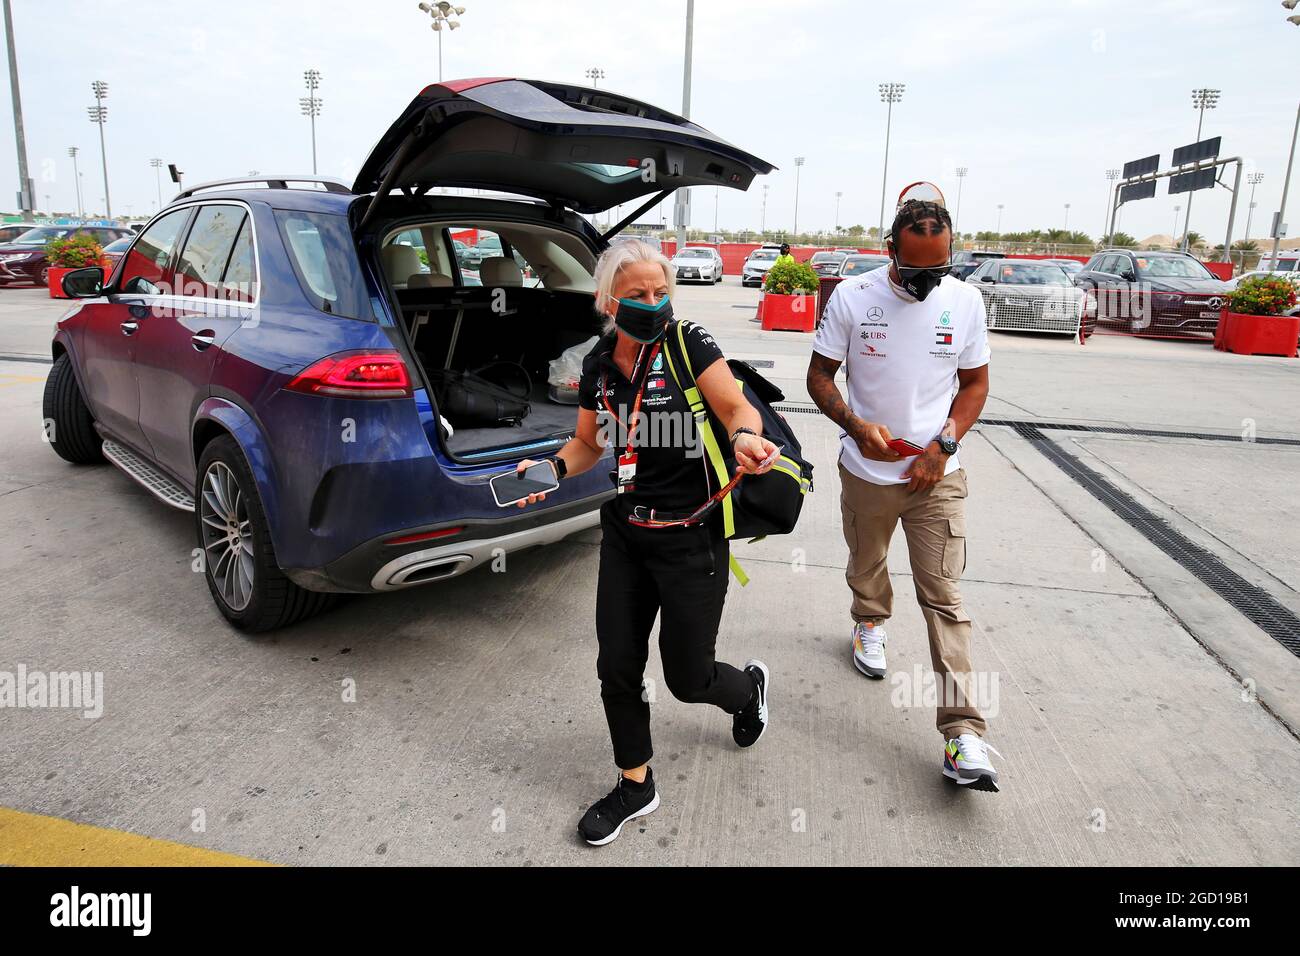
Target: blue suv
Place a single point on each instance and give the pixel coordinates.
(266, 354)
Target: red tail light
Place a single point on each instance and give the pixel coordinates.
(378, 374)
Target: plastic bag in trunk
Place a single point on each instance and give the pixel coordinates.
(566, 371)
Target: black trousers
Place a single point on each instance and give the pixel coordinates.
(680, 574)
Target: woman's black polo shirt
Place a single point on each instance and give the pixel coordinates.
(673, 471)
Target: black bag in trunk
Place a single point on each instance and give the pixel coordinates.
(490, 396)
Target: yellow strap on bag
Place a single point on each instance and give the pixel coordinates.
(704, 429)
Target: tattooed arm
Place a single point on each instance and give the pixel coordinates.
(872, 439)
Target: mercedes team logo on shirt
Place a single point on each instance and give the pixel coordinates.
(875, 313)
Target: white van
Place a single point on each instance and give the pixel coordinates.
(1288, 260)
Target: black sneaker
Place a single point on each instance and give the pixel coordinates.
(604, 821)
(748, 725)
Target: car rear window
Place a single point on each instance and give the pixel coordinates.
(325, 261)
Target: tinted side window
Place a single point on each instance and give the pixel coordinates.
(147, 264)
(325, 260)
(240, 281)
(207, 249)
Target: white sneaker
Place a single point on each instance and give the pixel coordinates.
(966, 760)
(869, 649)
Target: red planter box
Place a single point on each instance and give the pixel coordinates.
(788, 313)
(1257, 334)
(56, 274)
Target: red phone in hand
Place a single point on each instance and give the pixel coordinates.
(904, 447)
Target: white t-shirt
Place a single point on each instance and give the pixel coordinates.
(901, 358)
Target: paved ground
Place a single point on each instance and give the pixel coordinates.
(1141, 719)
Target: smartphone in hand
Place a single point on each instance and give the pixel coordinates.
(511, 487)
(904, 447)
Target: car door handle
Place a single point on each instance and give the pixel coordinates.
(128, 328)
(203, 339)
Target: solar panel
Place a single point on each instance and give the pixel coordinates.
(1141, 167)
(1197, 152)
(1189, 182)
(1133, 191)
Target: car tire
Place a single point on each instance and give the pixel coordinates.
(261, 598)
(70, 428)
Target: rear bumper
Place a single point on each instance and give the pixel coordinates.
(380, 566)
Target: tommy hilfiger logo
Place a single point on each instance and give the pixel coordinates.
(943, 338)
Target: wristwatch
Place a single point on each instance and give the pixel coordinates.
(741, 431)
(561, 467)
(948, 445)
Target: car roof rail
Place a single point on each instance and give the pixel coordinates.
(270, 182)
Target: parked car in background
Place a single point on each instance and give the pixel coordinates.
(826, 263)
(757, 265)
(1154, 293)
(858, 263)
(965, 261)
(115, 250)
(698, 264)
(300, 313)
(1072, 267)
(12, 231)
(654, 242)
(23, 258)
(488, 247)
(1027, 295)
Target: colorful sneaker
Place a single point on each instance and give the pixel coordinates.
(869, 649)
(748, 725)
(603, 822)
(966, 760)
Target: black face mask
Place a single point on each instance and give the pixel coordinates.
(643, 323)
(919, 283)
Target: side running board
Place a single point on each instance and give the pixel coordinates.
(161, 485)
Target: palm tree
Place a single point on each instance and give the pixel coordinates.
(1122, 240)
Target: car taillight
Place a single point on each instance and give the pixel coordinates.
(378, 374)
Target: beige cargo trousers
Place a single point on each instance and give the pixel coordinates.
(934, 522)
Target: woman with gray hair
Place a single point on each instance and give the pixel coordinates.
(662, 551)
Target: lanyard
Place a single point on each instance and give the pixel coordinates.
(640, 393)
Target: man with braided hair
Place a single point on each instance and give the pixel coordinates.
(915, 348)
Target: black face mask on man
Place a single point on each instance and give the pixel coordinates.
(919, 283)
(641, 322)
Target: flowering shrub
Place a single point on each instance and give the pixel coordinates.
(791, 278)
(73, 252)
(1263, 295)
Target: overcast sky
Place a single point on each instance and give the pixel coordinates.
(1036, 97)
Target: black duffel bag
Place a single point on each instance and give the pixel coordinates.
(490, 396)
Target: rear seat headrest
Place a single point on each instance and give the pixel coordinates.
(500, 270)
(400, 262)
(428, 280)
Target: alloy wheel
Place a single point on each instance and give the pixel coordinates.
(227, 536)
